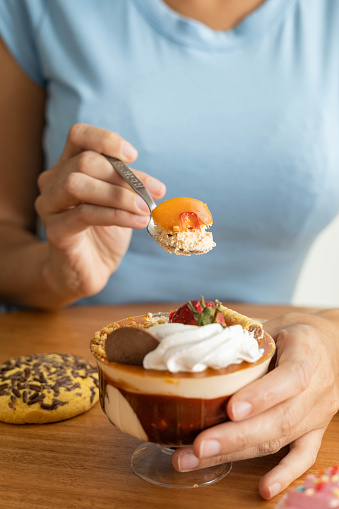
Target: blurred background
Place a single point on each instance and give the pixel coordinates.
(318, 284)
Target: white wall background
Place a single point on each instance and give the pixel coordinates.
(318, 284)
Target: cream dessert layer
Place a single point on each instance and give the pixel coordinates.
(207, 384)
(188, 348)
(121, 413)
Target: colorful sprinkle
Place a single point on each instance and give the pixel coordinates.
(321, 490)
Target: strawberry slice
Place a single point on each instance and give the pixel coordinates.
(198, 312)
(190, 220)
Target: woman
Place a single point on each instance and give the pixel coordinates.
(234, 103)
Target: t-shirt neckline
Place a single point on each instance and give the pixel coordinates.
(193, 33)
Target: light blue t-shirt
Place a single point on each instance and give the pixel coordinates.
(245, 120)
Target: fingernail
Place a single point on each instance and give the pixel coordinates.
(274, 489)
(187, 461)
(241, 409)
(128, 150)
(209, 448)
(154, 185)
(141, 204)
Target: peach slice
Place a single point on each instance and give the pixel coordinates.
(182, 214)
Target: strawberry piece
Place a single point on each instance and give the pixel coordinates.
(190, 220)
(198, 312)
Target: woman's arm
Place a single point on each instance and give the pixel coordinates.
(21, 123)
(88, 210)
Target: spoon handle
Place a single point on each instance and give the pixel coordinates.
(132, 180)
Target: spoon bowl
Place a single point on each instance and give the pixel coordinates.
(141, 190)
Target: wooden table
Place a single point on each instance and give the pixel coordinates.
(84, 462)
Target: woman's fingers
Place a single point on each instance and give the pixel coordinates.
(80, 189)
(78, 219)
(83, 177)
(96, 165)
(82, 137)
(90, 179)
(185, 460)
(302, 455)
(291, 377)
(285, 421)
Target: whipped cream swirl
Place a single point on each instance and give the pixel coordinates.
(193, 349)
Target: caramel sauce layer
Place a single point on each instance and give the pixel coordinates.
(171, 420)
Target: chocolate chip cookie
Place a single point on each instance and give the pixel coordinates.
(44, 388)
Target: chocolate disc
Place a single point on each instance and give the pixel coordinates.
(129, 345)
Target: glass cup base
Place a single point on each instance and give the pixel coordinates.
(153, 463)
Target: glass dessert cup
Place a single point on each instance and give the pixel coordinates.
(168, 410)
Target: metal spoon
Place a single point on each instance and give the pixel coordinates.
(141, 190)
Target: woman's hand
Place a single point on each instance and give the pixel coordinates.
(292, 404)
(89, 211)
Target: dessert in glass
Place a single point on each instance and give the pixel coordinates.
(164, 378)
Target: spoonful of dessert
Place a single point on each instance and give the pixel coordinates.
(177, 225)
